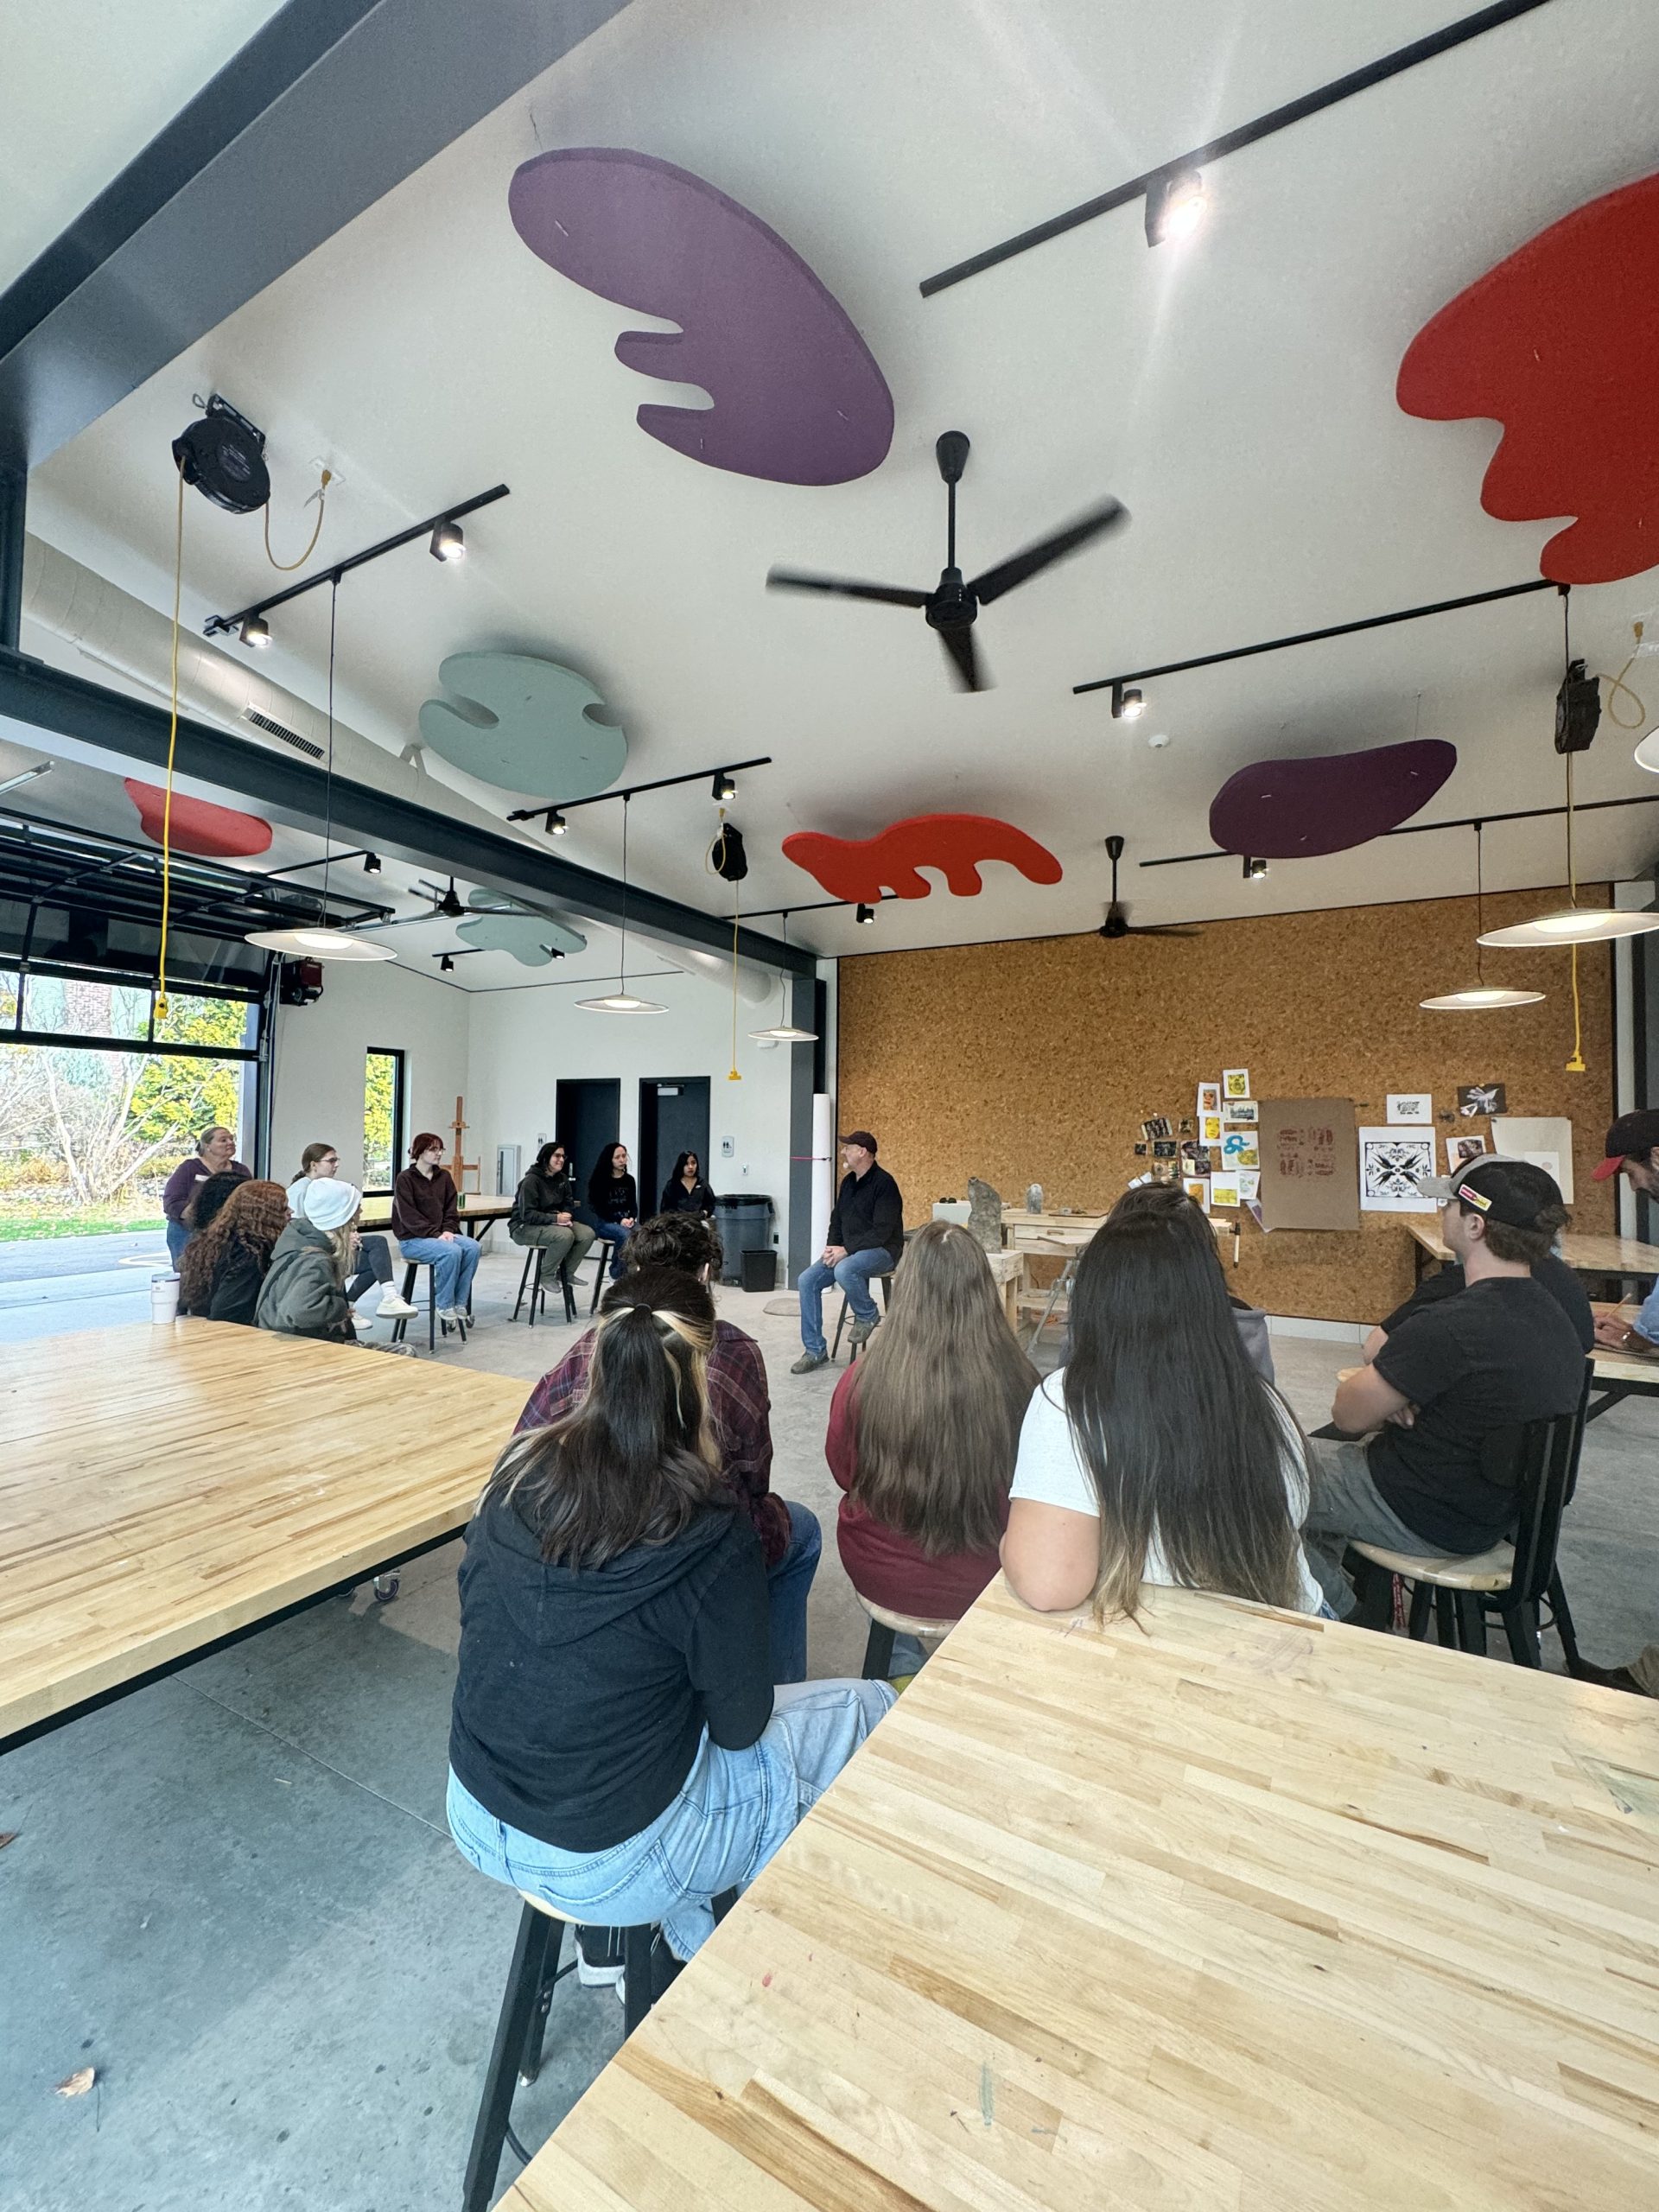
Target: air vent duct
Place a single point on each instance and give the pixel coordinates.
(277, 730)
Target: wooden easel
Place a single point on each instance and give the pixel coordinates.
(460, 1168)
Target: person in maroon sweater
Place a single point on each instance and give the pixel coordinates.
(740, 1407)
(924, 1431)
(426, 1221)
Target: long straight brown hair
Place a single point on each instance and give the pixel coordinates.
(942, 1391)
(636, 1462)
(1181, 1436)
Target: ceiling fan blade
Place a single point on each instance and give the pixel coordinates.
(842, 588)
(964, 657)
(1020, 566)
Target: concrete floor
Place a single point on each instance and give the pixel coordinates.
(233, 1893)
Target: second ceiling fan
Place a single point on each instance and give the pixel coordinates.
(953, 606)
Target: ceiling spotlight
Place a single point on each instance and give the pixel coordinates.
(448, 543)
(864, 914)
(1254, 870)
(256, 631)
(1127, 706)
(370, 863)
(552, 951)
(722, 787)
(557, 824)
(447, 964)
(1175, 205)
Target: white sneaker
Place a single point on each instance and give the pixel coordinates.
(451, 1314)
(394, 1308)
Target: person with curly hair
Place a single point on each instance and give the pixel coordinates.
(223, 1265)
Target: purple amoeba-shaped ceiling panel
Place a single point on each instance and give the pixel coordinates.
(1293, 809)
(798, 396)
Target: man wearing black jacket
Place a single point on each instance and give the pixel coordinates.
(867, 1234)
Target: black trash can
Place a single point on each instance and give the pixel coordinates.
(744, 1220)
(760, 1270)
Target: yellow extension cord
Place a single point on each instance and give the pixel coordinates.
(172, 742)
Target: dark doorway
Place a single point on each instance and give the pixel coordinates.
(586, 1116)
(673, 1119)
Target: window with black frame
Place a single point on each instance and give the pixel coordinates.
(383, 1117)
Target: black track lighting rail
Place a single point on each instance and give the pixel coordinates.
(329, 860)
(1245, 134)
(217, 626)
(1421, 829)
(815, 906)
(1316, 636)
(632, 790)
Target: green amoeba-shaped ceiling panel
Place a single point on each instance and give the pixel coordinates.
(532, 939)
(524, 724)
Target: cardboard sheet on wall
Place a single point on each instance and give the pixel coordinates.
(1309, 1164)
(1545, 1139)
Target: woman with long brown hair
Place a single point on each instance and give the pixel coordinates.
(223, 1267)
(1158, 1453)
(617, 1747)
(924, 1430)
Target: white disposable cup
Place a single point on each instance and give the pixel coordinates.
(163, 1298)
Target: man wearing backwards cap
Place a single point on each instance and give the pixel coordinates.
(1631, 1145)
(867, 1234)
(1501, 1352)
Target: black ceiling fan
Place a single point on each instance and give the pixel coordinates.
(1117, 923)
(952, 608)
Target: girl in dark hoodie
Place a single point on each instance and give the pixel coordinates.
(617, 1747)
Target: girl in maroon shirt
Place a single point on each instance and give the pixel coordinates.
(924, 1431)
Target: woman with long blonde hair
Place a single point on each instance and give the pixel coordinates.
(924, 1430)
(304, 1293)
(617, 1746)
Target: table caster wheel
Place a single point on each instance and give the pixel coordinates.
(386, 1587)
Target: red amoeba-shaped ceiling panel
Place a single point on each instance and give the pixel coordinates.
(1559, 343)
(863, 868)
(212, 833)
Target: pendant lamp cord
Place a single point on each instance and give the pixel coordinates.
(627, 803)
(171, 743)
(1480, 910)
(1575, 1058)
(737, 902)
(328, 773)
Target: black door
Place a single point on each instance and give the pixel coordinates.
(586, 1116)
(673, 1119)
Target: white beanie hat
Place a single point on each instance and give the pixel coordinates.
(326, 1202)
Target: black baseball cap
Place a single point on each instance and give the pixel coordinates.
(858, 1136)
(1632, 1135)
(1509, 1191)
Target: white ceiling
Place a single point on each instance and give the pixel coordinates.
(88, 84)
(1236, 391)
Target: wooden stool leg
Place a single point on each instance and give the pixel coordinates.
(530, 2065)
(636, 1979)
(878, 1652)
(511, 2029)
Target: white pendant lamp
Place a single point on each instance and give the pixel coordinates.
(622, 1000)
(784, 1031)
(1480, 996)
(318, 941)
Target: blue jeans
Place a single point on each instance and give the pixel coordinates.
(177, 1237)
(613, 1234)
(726, 1818)
(787, 1585)
(851, 1275)
(454, 1265)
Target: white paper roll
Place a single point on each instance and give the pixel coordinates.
(823, 1167)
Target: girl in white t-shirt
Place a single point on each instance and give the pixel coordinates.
(1157, 1453)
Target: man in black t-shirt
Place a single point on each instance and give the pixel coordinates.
(1502, 1352)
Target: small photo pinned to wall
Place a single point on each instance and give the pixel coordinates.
(1476, 1098)
(1140, 1151)
(1460, 1151)
(1235, 1083)
(1410, 1107)
(1209, 1098)
(1223, 1190)
(1249, 1186)
(1238, 1149)
(1210, 1128)
(1394, 1163)
(1198, 1190)
(1164, 1149)
(1244, 1111)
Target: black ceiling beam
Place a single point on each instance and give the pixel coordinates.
(222, 624)
(1316, 636)
(108, 724)
(1362, 80)
(329, 106)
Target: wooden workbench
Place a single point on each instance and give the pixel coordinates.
(475, 1211)
(1247, 1911)
(163, 1487)
(1585, 1256)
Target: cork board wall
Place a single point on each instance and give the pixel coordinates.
(1036, 1060)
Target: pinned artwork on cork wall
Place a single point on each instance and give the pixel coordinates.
(1478, 1098)
(1235, 1083)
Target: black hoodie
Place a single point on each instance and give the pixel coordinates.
(583, 1693)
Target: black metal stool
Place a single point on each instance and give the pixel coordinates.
(886, 1282)
(536, 1256)
(398, 1328)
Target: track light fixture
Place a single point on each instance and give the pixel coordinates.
(1127, 705)
(557, 824)
(370, 863)
(447, 965)
(1254, 870)
(1175, 205)
(256, 631)
(723, 788)
(864, 914)
(448, 542)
